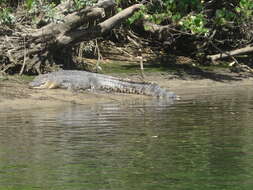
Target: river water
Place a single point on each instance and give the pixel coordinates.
(202, 143)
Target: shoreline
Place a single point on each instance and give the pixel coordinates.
(17, 95)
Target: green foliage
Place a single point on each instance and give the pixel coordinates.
(137, 15)
(83, 3)
(182, 7)
(224, 17)
(46, 9)
(185, 15)
(29, 4)
(194, 23)
(6, 17)
(245, 9)
(242, 13)
(158, 18)
(50, 13)
(191, 14)
(185, 12)
(3, 2)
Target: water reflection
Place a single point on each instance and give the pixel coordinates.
(195, 144)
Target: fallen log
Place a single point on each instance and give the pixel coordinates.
(226, 54)
(30, 50)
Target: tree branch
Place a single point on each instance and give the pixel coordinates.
(118, 18)
(70, 22)
(64, 7)
(76, 19)
(230, 53)
(77, 36)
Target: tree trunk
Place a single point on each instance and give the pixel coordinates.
(30, 50)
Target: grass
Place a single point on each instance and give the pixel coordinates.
(134, 68)
(180, 69)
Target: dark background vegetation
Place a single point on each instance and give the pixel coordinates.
(194, 28)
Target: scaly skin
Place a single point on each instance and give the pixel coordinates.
(82, 80)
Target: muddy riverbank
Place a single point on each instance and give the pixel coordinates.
(16, 94)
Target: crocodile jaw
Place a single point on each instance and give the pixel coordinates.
(47, 85)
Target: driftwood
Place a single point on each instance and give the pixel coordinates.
(230, 53)
(30, 49)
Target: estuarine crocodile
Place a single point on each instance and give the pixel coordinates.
(82, 80)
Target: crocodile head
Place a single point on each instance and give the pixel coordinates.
(43, 82)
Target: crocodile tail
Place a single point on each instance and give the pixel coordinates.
(157, 91)
(146, 88)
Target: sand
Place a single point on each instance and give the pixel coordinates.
(18, 95)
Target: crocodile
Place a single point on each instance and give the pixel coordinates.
(83, 80)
